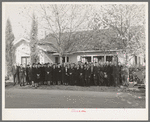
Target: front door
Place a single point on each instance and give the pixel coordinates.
(25, 60)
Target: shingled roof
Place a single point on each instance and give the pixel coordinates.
(104, 39)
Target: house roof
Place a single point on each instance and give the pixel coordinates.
(104, 39)
(20, 41)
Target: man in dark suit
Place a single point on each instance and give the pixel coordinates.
(30, 74)
(21, 75)
(111, 82)
(87, 75)
(100, 74)
(105, 74)
(81, 77)
(92, 74)
(96, 74)
(38, 75)
(14, 72)
(48, 75)
(71, 74)
(59, 74)
(77, 74)
(115, 74)
(63, 73)
(18, 73)
(66, 74)
(27, 74)
(108, 73)
(42, 78)
(33, 74)
(54, 74)
(120, 73)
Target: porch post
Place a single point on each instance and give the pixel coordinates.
(104, 58)
(65, 59)
(91, 58)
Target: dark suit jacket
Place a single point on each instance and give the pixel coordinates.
(71, 71)
(87, 73)
(14, 70)
(95, 70)
(21, 71)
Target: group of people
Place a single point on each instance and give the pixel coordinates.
(80, 74)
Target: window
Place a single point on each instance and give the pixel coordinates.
(98, 58)
(56, 59)
(67, 59)
(25, 60)
(135, 59)
(63, 59)
(109, 58)
(86, 59)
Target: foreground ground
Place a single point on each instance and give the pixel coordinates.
(71, 97)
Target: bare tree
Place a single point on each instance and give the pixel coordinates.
(61, 22)
(128, 21)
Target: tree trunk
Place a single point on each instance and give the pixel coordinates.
(126, 69)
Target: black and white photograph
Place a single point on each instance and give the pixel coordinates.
(75, 60)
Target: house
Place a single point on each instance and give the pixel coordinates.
(22, 51)
(88, 46)
(85, 46)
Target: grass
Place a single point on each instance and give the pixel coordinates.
(63, 87)
(9, 84)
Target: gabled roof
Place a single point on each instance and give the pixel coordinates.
(21, 39)
(17, 43)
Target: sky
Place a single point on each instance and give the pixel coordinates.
(19, 15)
(19, 20)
